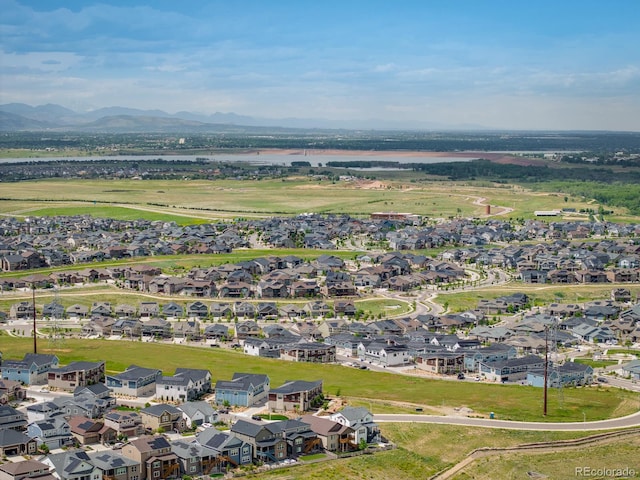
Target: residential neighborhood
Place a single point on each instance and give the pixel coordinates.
(145, 422)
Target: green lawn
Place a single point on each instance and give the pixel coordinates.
(596, 363)
(512, 402)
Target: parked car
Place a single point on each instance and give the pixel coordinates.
(461, 376)
(256, 417)
(603, 380)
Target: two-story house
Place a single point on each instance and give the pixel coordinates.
(33, 369)
(185, 385)
(361, 421)
(162, 418)
(76, 374)
(154, 454)
(244, 389)
(134, 381)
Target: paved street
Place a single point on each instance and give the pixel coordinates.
(622, 422)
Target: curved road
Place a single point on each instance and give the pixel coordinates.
(632, 420)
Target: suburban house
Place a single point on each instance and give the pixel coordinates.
(275, 441)
(381, 353)
(155, 457)
(568, 374)
(244, 389)
(114, 466)
(492, 353)
(12, 419)
(162, 418)
(14, 443)
(87, 431)
(31, 370)
(185, 385)
(125, 423)
(134, 381)
(11, 391)
(266, 347)
(441, 362)
(361, 421)
(76, 374)
(295, 395)
(54, 432)
(632, 370)
(247, 329)
(308, 352)
(511, 370)
(73, 465)
(195, 459)
(25, 469)
(198, 413)
(230, 450)
(335, 436)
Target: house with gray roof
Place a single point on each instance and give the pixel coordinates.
(72, 465)
(275, 441)
(185, 385)
(195, 459)
(54, 432)
(162, 417)
(335, 436)
(76, 374)
(135, 381)
(114, 466)
(87, 431)
(155, 457)
(231, 450)
(127, 423)
(295, 395)
(197, 413)
(632, 370)
(25, 469)
(33, 369)
(13, 443)
(12, 419)
(361, 421)
(511, 370)
(567, 374)
(244, 389)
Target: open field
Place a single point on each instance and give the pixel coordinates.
(509, 402)
(566, 464)
(201, 199)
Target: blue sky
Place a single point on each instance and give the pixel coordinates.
(562, 64)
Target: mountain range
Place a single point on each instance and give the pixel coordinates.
(16, 117)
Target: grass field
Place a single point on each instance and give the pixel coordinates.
(566, 464)
(507, 401)
(215, 199)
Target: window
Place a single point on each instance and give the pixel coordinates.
(156, 465)
(156, 474)
(193, 469)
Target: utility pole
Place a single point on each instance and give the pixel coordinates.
(35, 341)
(546, 367)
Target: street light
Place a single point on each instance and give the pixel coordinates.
(35, 343)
